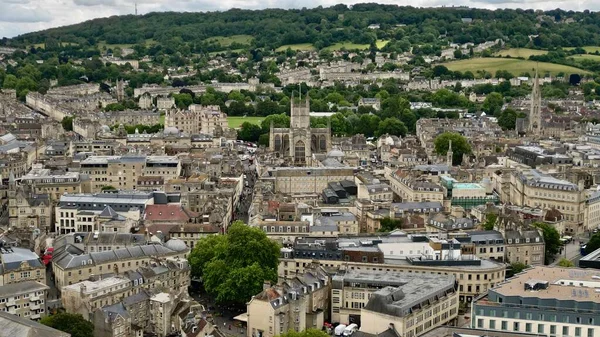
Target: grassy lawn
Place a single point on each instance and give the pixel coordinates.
(299, 46)
(226, 41)
(381, 43)
(515, 66)
(354, 46)
(236, 121)
(586, 57)
(521, 52)
(162, 119)
(347, 46)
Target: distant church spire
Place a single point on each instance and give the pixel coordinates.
(535, 114)
(449, 155)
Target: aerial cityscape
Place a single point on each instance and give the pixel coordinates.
(355, 170)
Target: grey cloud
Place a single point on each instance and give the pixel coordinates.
(94, 2)
(18, 13)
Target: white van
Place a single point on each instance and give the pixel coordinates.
(350, 329)
(339, 330)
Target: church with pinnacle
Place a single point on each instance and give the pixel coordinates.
(299, 142)
(531, 126)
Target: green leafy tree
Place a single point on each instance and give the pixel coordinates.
(73, 324)
(593, 244)
(460, 146)
(108, 188)
(10, 82)
(279, 121)
(114, 107)
(249, 132)
(305, 333)
(263, 139)
(565, 263)
(395, 106)
(229, 271)
(236, 96)
(67, 123)
(490, 221)
(516, 267)
(388, 224)
(339, 124)
(183, 101)
(507, 119)
(391, 126)
(493, 103)
(551, 240)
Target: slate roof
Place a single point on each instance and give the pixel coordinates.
(67, 260)
(112, 312)
(11, 259)
(22, 288)
(168, 213)
(108, 212)
(15, 326)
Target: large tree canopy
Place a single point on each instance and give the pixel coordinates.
(551, 240)
(460, 146)
(73, 324)
(234, 266)
(593, 244)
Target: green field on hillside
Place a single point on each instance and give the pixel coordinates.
(226, 41)
(354, 46)
(236, 122)
(347, 46)
(521, 52)
(588, 49)
(64, 44)
(298, 46)
(103, 45)
(586, 57)
(515, 66)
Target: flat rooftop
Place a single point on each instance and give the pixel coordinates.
(563, 284)
(401, 291)
(391, 278)
(21, 288)
(94, 286)
(466, 186)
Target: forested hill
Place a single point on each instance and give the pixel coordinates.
(322, 27)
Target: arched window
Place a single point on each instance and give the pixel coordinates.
(286, 142)
(322, 143)
(277, 143)
(299, 152)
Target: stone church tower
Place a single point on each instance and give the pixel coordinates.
(300, 141)
(300, 132)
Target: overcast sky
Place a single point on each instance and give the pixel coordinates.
(23, 16)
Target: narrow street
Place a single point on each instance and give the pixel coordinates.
(222, 317)
(241, 213)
